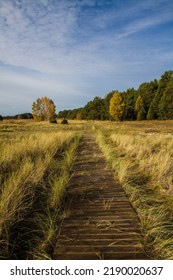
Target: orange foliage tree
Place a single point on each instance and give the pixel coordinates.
(43, 109)
(79, 116)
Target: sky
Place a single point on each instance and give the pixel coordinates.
(74, 50)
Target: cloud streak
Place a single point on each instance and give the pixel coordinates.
(81, 48)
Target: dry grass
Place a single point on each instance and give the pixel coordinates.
(34, 171)
(153, 154)
(141, 155)
(35, 164)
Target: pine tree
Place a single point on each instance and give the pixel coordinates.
(163, 82)
(151, 113)
(166, 103)
(129, 100)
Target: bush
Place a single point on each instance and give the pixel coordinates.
(53, 119)
(64, 121)
(1, 118)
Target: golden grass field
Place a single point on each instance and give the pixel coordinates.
(35, 164)
(141, 155)
(34, 170)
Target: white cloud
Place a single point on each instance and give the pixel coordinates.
(44, 37)
(80, 48)
(22, 89)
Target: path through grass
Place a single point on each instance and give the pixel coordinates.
(99, 221)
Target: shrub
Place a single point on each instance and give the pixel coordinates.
(64, 121)
(53, 119)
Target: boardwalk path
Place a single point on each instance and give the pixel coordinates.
(100, 222)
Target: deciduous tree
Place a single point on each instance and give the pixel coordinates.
(116, 107)
(43, 109)
(79, 116)
(139, 108)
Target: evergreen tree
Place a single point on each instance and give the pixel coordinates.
(147, 91)
(166, 103)
(151, 113)
(129, 99)
(94, 110)
(162, 84)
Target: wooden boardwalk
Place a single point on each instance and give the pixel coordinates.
(100, 222)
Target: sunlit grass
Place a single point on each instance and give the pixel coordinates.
(35, 166)
(142, 158)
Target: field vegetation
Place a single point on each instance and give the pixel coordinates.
(35, 164)
(141, 155)
(35, 167)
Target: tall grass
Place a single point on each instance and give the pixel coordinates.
(57, 184)
(154, 155)
(143, 163)
(34, 171)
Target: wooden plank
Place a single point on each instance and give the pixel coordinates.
(100, 222)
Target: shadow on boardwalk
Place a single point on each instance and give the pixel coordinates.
(100, 222)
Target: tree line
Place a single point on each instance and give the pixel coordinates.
(24, 116)
(152, 100)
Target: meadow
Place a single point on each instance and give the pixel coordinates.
(35, 166)
(141, 155)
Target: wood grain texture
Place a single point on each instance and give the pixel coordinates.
(100, 222)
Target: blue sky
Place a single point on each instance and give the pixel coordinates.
(74, 50)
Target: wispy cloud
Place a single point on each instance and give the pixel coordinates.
(21, 89)
(44, 35)
(81, 48)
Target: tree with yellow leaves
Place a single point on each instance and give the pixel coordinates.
(139, 108)
(116, 106)
(43, 109)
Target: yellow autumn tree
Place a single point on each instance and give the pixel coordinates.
(116, 107)
(79, 116)
(139, 108)
(43, 109)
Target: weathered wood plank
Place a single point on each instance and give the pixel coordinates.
(100, 222)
